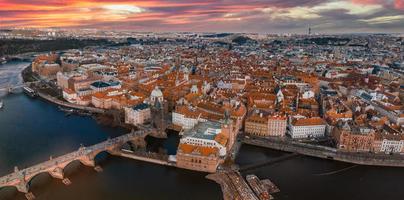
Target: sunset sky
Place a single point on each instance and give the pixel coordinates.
(263, 16)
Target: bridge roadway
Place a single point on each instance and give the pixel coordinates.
(55, 166)
(13, 87)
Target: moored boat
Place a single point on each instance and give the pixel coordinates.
(29, 91)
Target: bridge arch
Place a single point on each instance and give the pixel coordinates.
(7, 187)
(8, 191)
(30, 180)
(129, 145)
(70, 164)
(100, 156)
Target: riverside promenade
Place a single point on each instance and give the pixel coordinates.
(318, 151)
(70, 105)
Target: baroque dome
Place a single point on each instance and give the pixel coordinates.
(156, 92)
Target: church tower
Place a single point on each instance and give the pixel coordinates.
(227, 130)
(157, 110)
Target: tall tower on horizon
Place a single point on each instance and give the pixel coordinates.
(309, 30)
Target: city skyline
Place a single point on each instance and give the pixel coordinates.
(270, 16)
(214, 99)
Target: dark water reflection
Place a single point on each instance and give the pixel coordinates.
(310, 178)
(31, 130)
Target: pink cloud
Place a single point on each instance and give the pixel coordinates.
(399, 4)
(162, 14)
(367, 1)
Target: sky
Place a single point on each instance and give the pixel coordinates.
(259, 16)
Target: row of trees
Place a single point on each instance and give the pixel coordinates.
(18, 46)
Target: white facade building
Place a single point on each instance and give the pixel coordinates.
(138, 114)
(205, 134)
(392, 146)
(307, 128)
(62, 80)
(184, 121)
(69, 95)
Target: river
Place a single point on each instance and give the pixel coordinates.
(10, 74)
(31, 130)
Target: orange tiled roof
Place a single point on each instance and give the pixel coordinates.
(189, 97)
(68, 91)
(221, 139)
(277, 117)
(257, 119)
(101, 95)
(186, 112)
(207, 151)
(308, 121)
(85, 98)
(204, 151)
(186, 148)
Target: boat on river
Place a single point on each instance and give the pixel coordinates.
(3, 60)
(29, 91)
(1, 104)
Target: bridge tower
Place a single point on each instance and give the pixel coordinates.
(158, 110)
(138, 141)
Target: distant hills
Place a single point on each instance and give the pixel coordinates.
(240, 40)
(327, 41)
(18, 46)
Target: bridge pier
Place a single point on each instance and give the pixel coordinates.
(57, 173)
(89, 162)
(22, 187)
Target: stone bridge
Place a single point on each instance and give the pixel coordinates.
(55, 166)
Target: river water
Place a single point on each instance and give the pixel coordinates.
(10, 74)
(31, 130)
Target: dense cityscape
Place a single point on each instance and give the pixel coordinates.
(325, 96)
(94, 109)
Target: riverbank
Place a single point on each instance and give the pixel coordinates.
(318, 151)
(11, 47)
(70, 105)
(32, 130)
(43, 130)
(233, 185)
(27, 75)
(51, 94)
